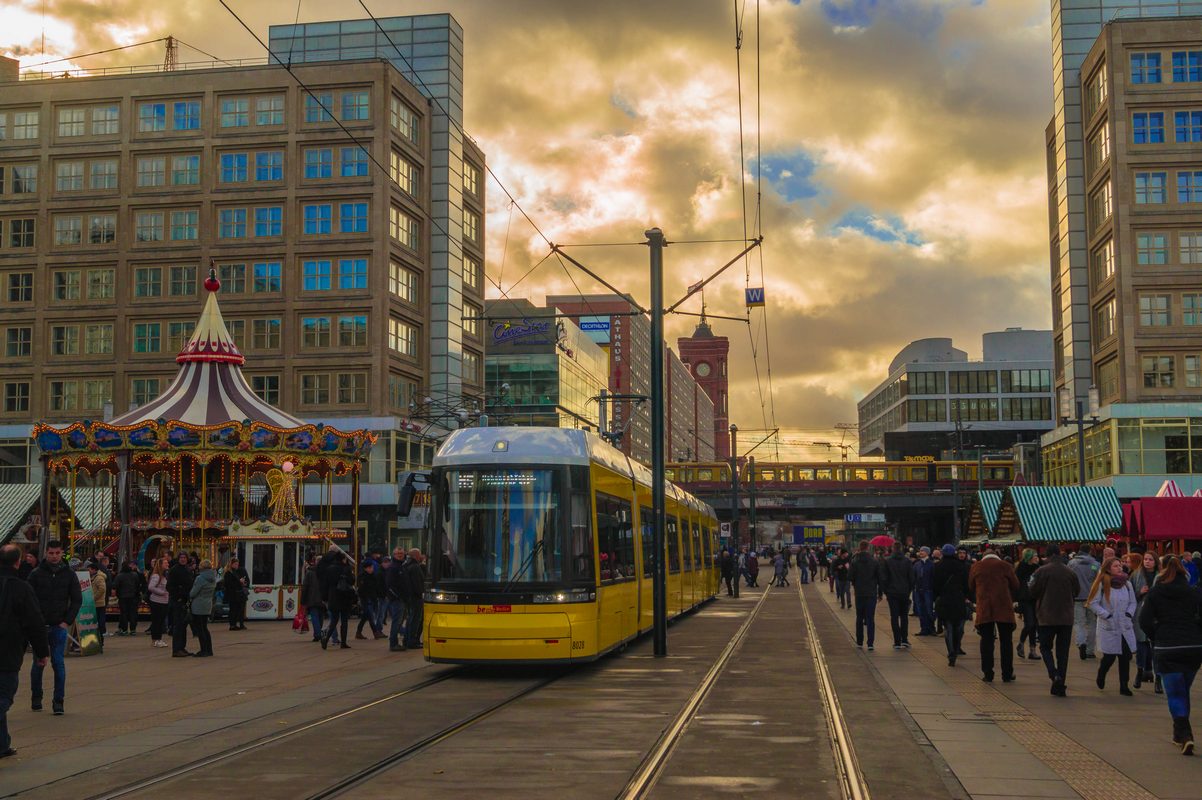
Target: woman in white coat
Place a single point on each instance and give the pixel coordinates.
(1113, 600)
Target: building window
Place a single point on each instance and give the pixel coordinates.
(352, 217)
(1104, 320)
(100, 284)
(186, 116)
(352, 273)
(143, 390)
(1102, 263)
(319, 162)
(352, 330)
(67, 285)
(926, 410)
(20, 287)
(63, 395)
(231, 223)
(106, 120)
(98, 339)
(233, 167)
(147, 337)
(353, 162)
(1095, 91)
(352, 387)
(471, 226)
(71, 121)
(148, 282)
(1188, 125)
(1187, 66)
(471, 179)
(269, 110)
(404, 173)
(68, 176)
(972, 382)
(152, 172)
(402, 337)
(1151, 248)
(402, 227)
(16, 396)
(1154, 310)
(1099, 205)
(237, 330)
(927, 382)
(315, 331)
(184, 225)
(471, 367)
(471, 319)
(68, 231)
(265, 334)
(317, 219)
(1033, 381)
(178, 334)
(103, 175)
(64, 340)
(1147, 127)
(148, 226)
(267, 276)
(356, 106)
(1150, 187)
(1191, 309)
(317, 107)
(21, 232)
(1145, 67)
(315, 276)
(1189, 187)
(975, 409)
(1193, 371)
(267, 388)
(402, 282)
(1158, 371)
(233, 278)
(269, 165)
(25, 124)
(471, 273)
(96, 393)
(102, 228)
(1190, 247)
(1108, 379)
(185, 170)
(235, 112)
(25, 179)
(183, 281)
(315, 389)
(269, 221)
(18, 342)
(152, 117)
(404, 120)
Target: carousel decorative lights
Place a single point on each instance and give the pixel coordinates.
(207, 458)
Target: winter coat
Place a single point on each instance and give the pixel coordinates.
(20, 622)
(369, 587)
(1085, 567)
(949, 585)
(1054, 588)
(1170, 617)
(413, 582)
(840, 566)
(100, 591)
(922, 571)
(993, 583)
(753, 565)
(1116, 619)
(1023, 572)
(201, 593)
(311, 590)
(1140, 579)
(781, 566)
(126, 584)
(158, 589)
(179, 583)
(897, 576)
(1191, 569)
(341, 596)
(726, 564)
(232, 585)
(866, 575)
(57, 590)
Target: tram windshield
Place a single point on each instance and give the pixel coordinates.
(500, 526)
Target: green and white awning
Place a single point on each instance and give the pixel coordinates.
(1059, 513)
(17, 500)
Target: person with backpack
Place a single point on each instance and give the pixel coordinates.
(21, 625)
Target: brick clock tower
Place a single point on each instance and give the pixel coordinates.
(705, 355)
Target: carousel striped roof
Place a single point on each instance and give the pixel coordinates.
(209, 388)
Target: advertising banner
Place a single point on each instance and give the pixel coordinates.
(85, 621)
(809, 534)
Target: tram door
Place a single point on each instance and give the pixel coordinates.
(274, 569)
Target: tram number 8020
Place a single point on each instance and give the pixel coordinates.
(577, 645)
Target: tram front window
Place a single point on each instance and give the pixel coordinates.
(501, 526)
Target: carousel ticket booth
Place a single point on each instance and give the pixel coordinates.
(209, 467)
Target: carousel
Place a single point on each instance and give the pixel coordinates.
(207, 467)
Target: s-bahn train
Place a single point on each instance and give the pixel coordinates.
(857, 476)
(540, 544)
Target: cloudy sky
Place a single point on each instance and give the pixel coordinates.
(900, 144)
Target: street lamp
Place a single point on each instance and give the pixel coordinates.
(1067, 417)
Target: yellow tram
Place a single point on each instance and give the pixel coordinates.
(540, 545)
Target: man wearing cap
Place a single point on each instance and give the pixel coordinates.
(923, 598)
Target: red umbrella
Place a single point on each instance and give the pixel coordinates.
(881, 541)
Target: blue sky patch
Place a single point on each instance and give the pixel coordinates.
(790, 174)
(850, 13)
(885, 228)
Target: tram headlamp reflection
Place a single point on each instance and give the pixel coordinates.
(441, 597)
(575, 596)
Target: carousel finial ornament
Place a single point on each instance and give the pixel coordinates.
(212, 283)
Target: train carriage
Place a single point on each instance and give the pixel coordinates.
(540, 548)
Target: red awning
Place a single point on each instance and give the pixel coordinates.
(1160, 518)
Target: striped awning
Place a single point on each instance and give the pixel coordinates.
(990, 501)
(16, 502)
(1066, 513)
(93, 506)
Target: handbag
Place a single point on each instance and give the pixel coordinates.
(299, 623)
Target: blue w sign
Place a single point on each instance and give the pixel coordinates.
(755, 297)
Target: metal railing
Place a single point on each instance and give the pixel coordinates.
(141, 69)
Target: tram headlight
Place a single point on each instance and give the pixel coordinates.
(440, 597)
(574, 596)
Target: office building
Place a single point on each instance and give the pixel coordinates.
(706, 357)
(935, 403)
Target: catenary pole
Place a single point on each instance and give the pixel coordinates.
(655, 241)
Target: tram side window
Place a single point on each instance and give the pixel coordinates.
(647, 526)
(615, 538)
(672, 532)
(696, 546)
(580, 545)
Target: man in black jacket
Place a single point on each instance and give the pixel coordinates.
(20, 623)
(235, 585)
(413, 586)
(865, 577)
(179, 590)
(394, 593)
(57, 590)
(898, 578)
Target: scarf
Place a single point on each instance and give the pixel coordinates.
(1118, 581)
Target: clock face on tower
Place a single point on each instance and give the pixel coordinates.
(702, 370)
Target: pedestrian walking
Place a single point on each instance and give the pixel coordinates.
(841, 569)
(29, 563)
(126, 587)
(1143, 575)
(159, 600)
(413, 585)
(235, 585)
(1085, 567)
(99, 597)
(179, 589)
(864, 574)
(924, 598)
(781, 566)
(1170, 615)
(59, 599)
(1055, 587)
(1113, 602)
(994, 585)
(369, 596)
(949, 586)
(1027, 564)
(395, 593)
(312, 600)
(726, 566)
(201, 606)
(897, 577)
(751, 564)
(339, 600)
(21, 625)
(1189, 561)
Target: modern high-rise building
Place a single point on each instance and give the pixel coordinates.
(706, 357)
(350, 246)
(1125, 160)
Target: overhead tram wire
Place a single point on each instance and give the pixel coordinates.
(203, 52)
(759, 209)
(96, 53)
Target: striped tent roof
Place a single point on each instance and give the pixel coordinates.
(1170, 489)
(990, 501)
(16, 501)
(1065, 513)
(209, 388)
